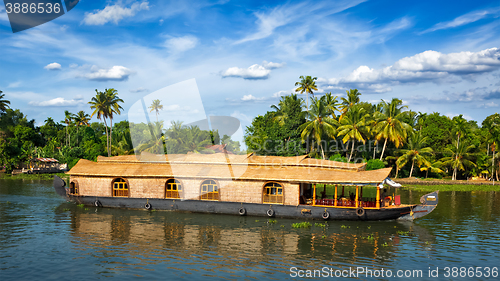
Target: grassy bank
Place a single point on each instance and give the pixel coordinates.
(34, 176)
(453, 187)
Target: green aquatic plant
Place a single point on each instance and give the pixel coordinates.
(81, 205)
(282, 225)
(400, 232)
(323, 225)
(385, 244)
(369, 227)
(344, 226)
(257, 220)
(301, 225)
(370, 237)
(66, 209)
(272, 221)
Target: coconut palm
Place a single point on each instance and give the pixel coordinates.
(319, 124)
(390, 125)
(354, 126)
(285, 105)
(114, 107)
(68, 118)
(331, 103)
(415, 153)
(81, 119)
(434, 167)
(350, 101)
(459, 157)
(156, 106)
(306, 85)
(101, 107)
(3, 103)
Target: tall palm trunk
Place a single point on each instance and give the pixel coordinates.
(107, 136)
(412, 164)
(374, 150)
(383, 149)
(352, 150)
(110, 135)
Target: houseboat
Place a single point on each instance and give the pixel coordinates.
(222, 183)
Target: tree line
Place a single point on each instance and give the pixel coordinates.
(76, 137)
(386, 134)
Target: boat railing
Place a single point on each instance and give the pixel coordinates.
(344, 202)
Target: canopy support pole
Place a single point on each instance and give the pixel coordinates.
(357, 196)
(314, 194)
(377, 204)
(335, 201)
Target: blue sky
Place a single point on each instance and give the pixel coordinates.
(439, 56)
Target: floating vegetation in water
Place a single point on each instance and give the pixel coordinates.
(400, 232)
(324, 236)
(344, 226)
(257, 220)
(370, 237)
(272, 221)
(282, 225)
(66, 209)
(86, 209)
(369, 227)
(323, 225)
(305, 224)
(385, 244)
(81, 205)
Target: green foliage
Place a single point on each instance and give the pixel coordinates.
(305, 224)
(374, 164)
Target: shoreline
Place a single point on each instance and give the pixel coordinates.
(48, 177)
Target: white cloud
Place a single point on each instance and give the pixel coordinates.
(255, 71)
(429, 66)
(464, 19)
(181, 44)
(14, 84)
(138, 90)
(251, 98)
(280, 94)
(114, 13)
(117, 73)
(59, 102)
(53, 66)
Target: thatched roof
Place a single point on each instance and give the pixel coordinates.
(226, 166)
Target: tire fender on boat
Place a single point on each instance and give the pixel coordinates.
(242, 211)
(97, 203)
(360, 211)
(147, 206)
(326, 215)
(270, 212)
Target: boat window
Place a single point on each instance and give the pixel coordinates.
(273, 193)
(120, 188)
(173, 189)
(209, 190)
(73, 188)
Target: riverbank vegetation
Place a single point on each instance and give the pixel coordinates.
(346, 129)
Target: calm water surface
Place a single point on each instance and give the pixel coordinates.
(43, 237)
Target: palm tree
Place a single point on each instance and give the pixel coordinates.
(459, 157)
(114, 107)
(319, 124)
(434, 167)
(68, 118)
(81, 119)
(350, 101)
(460, 128)
(102, 108)
(285, 105)
(306, 85)
(354, 126)
(390, 125)
(416, 152)
(156, 106)
(331, 103)
(3, 103)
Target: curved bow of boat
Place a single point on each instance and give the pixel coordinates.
(429, 203)
(60, 187)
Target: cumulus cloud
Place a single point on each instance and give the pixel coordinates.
(181, 44)
(114, 13)
(251, 98)
(255, 71)
(429, 66)
(53, 66)
(116, 73)
(139, 90)
(59, 102)
(464, 19)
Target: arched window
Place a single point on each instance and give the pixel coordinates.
(73, 188)
(273, 193)
(173, 189)
(120, 188)
(209, 190)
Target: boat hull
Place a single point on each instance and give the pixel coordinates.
(238, 208)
